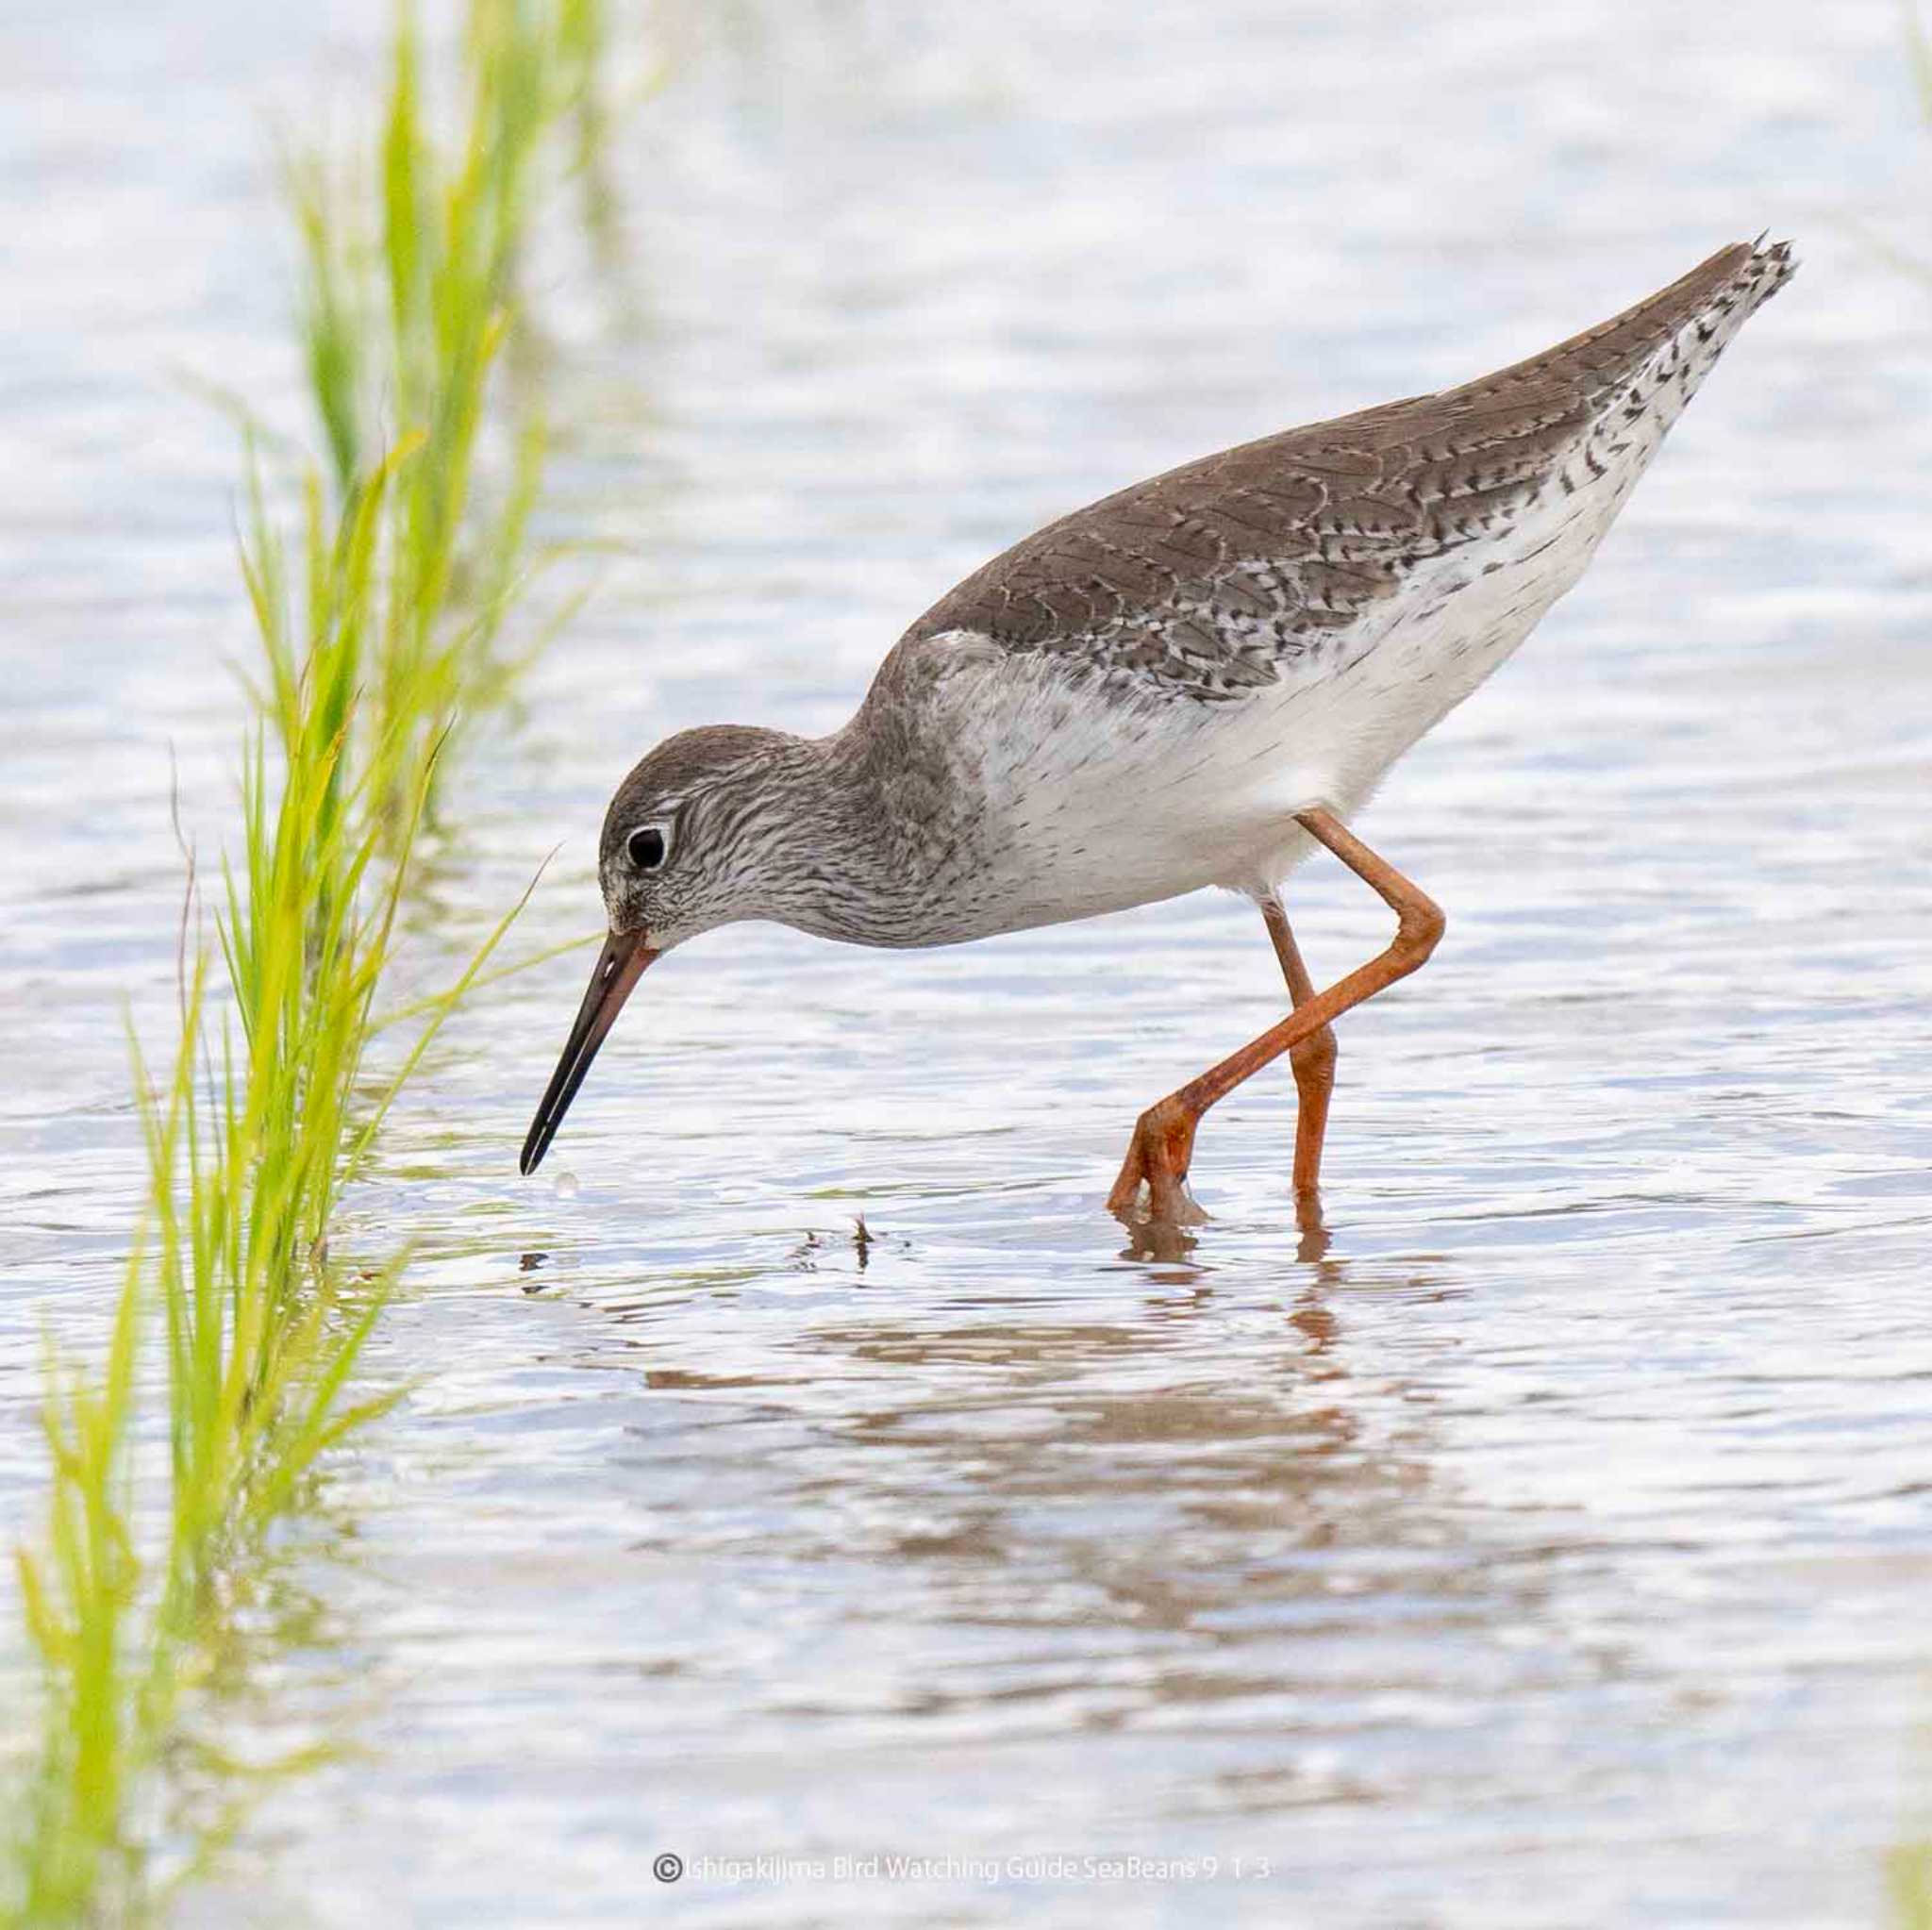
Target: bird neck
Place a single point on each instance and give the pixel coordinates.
(850, 856)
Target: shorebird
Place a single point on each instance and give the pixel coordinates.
(1195, 681)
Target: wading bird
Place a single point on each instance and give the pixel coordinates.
(1192, 682)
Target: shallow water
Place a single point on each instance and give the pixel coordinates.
(1550, 1544)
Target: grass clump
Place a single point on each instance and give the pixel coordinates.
(378, 620)
(408, 304)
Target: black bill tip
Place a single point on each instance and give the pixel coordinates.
(619, 965)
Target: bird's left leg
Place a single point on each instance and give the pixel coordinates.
(1164, 1136)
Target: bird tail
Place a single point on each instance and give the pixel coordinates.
(1679, 331)
(1656, 355)
(1711, 304)
(1619, 386)
(1627, 380)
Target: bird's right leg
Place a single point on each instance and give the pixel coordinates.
(1313, 1059)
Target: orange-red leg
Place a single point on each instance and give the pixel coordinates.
(1163, 1139)
(1312, 1058)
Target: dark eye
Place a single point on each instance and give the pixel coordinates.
(644, 847)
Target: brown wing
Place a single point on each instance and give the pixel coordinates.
(1207, 577)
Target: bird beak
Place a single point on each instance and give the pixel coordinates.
(619, 965)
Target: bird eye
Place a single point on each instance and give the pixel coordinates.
(644, 847)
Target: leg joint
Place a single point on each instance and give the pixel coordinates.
(1420, 926)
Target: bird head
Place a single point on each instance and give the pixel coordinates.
(694, 839)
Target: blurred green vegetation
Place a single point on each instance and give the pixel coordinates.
(378, 617)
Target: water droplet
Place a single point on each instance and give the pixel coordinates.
(566, 1187)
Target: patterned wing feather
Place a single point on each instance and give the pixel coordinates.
(1207, 579)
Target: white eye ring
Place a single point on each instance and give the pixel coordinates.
(648, 847)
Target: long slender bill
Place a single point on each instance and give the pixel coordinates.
(619, 965)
